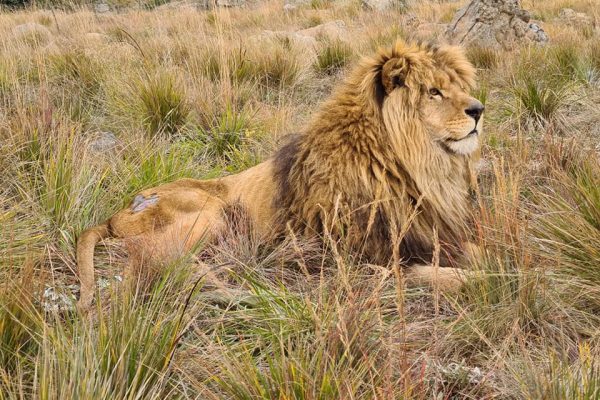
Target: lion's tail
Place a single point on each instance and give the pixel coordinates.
(85, 262)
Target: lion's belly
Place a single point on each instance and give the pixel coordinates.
(254, 190)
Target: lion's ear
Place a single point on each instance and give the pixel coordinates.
(394, 73)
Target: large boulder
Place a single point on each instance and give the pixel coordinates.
(494, 23)
(334, 30)
(383, 5)
(32, 34)
(576, 19)
(306, 45)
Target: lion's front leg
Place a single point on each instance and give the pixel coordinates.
(445, 279)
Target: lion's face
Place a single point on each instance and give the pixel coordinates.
(451, 117)
(429, 87)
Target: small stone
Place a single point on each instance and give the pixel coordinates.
(290, 5)
(383, 5)
(55, 299)
(103, 142)
(538, 33)
(230, 3)
(101, 8)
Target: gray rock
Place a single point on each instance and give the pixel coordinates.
(576, 19)
(334, 30)
(383, 5)
(538, 33)
(306, 45)
(183, 5)
(494, 23)
(101, 8)
(32, 33)
(290, 5)
(230, 3)
(103, 143)
(210, 4)
(56, 299)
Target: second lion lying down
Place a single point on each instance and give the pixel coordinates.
(388, 156)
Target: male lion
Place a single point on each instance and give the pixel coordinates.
(387, 157)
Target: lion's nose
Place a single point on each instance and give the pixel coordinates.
(475, 110)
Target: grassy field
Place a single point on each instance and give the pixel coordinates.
(99, 106)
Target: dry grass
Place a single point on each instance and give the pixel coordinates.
(200, 94)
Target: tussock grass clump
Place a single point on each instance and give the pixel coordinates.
(326, 343)
(561, 379)
(129, 349)
(274, 66)
(483, 57)
(332, 57)
(506, 293)
(163, 105)
(79, 80)
(313, 20)
(594, 54)
(154, 165)
(19, 322)
(539, 100)
(570, 63)
(56, 181)
(77, 68)
(570, 226)
(233, 66)
(386, 37)
(320, 4)
(278, 67)
(227, 135)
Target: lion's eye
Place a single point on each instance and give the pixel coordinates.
(435, 92)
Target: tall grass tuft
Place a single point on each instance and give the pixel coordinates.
(594, 54)
(332, 57)
(570, 224)
(126, 351)
(539, 100)
(564, 380)
(570, 62)
(227, 134)
(151, 166)
(163, 106)
(279, 67)
(483, 57)
(56, 181)
(19, 320)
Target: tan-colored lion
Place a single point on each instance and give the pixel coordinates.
(385, 163)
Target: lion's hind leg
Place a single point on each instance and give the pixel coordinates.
(185, 219)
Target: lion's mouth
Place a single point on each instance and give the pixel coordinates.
(474, 132)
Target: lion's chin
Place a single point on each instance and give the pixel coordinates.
(464, 146)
